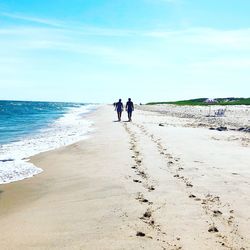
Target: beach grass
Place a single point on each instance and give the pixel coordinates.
(202, 102)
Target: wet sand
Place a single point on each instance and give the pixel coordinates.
(155, 183)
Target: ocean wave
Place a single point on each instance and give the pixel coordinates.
(73, 126)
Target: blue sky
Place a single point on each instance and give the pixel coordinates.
(99, 51)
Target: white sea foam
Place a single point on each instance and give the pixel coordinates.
(70, 128)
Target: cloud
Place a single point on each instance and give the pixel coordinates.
(235, 39)
(144, 49)
(226, 39)
(225, 65)
(31, 19)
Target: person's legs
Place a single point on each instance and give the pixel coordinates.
(119, 115)
(129, 116)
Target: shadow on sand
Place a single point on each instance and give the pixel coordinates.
(121, 121)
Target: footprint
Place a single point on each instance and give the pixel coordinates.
(142, 174)
(138, 181)
(213, 229)
(147, 214)
(140, 234)
(151, 188)
(141, 198)
(192, 196)
(217, 212)
(235, 173)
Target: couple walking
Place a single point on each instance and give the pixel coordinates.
(129, 109)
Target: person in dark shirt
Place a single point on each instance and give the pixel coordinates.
(119, 109)
(129, 109)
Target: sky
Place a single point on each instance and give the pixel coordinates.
(103, 50)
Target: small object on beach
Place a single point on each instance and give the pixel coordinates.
(244, 129)
(212, 128)
(221, 129)
(7, 160)
(213, 229)
(140, 234)
(161, 125)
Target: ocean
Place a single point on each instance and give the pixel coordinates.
(29, 128)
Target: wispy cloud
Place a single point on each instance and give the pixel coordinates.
(145, 49)
(31, 19)
(235, 39)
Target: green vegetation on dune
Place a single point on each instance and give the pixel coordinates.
(203, 102)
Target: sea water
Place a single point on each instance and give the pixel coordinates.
(28, 128)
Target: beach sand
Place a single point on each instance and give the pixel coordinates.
(137, 185)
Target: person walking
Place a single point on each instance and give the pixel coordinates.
(129, 109)
(119, 109)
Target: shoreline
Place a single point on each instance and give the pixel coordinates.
(131, 186)
(69, 128)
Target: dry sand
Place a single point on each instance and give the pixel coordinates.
(137, 186)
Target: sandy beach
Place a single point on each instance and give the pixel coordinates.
(168, 180)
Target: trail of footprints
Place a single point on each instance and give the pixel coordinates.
(210, 204)
(144, 179)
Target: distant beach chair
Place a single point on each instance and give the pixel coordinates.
(220, 112)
